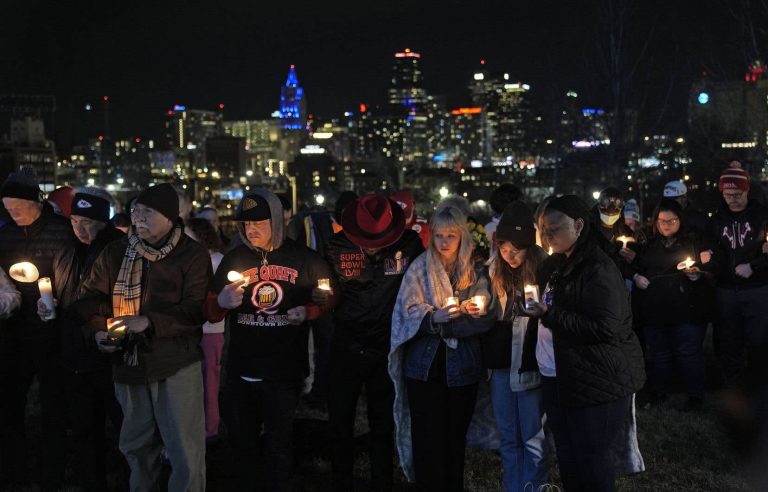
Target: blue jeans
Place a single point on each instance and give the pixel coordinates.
(682, 343)
(520, 420)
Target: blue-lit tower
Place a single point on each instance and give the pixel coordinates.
(293, 105)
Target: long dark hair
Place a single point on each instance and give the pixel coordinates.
(503, 276)
(206, 234)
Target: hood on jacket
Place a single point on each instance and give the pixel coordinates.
(276, 211)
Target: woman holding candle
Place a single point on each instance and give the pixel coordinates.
(509, 349)
(589, 357)
(436, 361)
(672, 304)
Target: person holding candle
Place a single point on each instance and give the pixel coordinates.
(673, 306)
(509, 349)
(29, 346)
(369, 258)
(737, 234)
(268, 312)
(87, 370)
(589, 357)
(153, 282)
(435, 361)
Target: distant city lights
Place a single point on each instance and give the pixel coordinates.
(703, 98)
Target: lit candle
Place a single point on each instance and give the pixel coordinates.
(479, 301)
(324, 283)
(551, 251)
(24, 272)
(531, 295)
(624, 240)
(686, 265)
(46, 294)
(451, 301)
(234, 276)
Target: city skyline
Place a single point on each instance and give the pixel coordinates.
(147, 60)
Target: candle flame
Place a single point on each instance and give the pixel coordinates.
(24, 272)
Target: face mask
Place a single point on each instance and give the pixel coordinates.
(609, 219)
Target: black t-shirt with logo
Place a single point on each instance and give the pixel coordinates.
(369, 287)
(262, 343)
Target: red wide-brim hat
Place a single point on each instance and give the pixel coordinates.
(373, 221)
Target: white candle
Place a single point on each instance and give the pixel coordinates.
(24, 272)
(479, 301)
(531, 295)
(451, 301)
(625, 240)
(324, 283)
(686, 264)
(234, 276)
(46, 294)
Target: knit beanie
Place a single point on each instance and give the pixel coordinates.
(21, 185)
(571, 205)
(674, 189)
(632, 210)
(734, 177)
(91, 203)
(516, 226)
(162, 198)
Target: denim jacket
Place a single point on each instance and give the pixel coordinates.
(463, 364)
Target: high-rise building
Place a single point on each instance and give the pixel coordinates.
(23, 142)
(293, 104)
(407, 104)
(188, 128)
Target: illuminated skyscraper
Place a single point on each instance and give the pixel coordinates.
(293, 105)
(407, 101)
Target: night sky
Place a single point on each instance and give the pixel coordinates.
(149, 55)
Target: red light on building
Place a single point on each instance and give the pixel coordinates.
(363, 108)
(482, 61)
(101, 138)
(293, 66)
(221, 105)
(475, 110)
(106, 98)
(137, 140)
(407, 54)
(170, 112)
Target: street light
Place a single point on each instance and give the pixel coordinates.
(596, 195)
(319, 199)
(443, 192)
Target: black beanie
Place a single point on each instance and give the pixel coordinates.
(253, 208)
(162, 198)
(516, 226)
(91, 206)
(21, 185)
(572, 206)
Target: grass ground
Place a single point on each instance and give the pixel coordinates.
(682, 452)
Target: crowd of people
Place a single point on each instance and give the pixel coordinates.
(531, 334)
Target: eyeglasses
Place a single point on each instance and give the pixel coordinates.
(142, 213)
(669, 222)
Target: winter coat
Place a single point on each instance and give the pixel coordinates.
(369, 286)
(173, 291)
(737, 238)
(49, 244)
(671, 297)
(79, 352)
(597, 354)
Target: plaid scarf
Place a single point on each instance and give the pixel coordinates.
(126, 295)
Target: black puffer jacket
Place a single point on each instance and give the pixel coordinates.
(173, 292)
(597, 354)
(79, 352)
(49, 244)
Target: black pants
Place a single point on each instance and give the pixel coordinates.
(440, 417)
(273, 404)
(584, 437)
(744, 330)
(322, 333)
(92, 401)
(20, 364)
(349, 372)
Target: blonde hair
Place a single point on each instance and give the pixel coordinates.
(449, 217)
